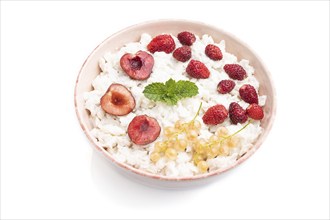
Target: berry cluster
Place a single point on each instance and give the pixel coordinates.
(196, 69)
(176, 140)
(218, 113)
(184, 134)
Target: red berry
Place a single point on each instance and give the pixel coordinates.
(237, 114)
(138, 66)
(235, 71)
(182, 54)
(117, 100)
(197, 69)
(163, 43)
(215, 115)
(186, 38)
(255, 111)
(225, 86)
(143, 130)
(248, 94)
(213, 52)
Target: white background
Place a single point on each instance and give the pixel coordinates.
(48, 168)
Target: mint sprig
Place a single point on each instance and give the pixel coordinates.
(171, 91)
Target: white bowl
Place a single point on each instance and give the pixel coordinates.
(90, 70)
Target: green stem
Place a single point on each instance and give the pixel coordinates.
(249, 122)
(229, 136)
(200, 107)
(184, 130)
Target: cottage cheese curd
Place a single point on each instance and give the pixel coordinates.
(111, 131)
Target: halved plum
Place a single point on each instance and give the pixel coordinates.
(117, 100)
(143, 130)
(137, 66)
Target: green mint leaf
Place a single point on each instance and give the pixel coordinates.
(171, 91)
(171, 100)
(155, 91)
(186, 89)
(170, 86)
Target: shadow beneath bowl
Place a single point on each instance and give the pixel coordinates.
(113, 179)
(113, 183)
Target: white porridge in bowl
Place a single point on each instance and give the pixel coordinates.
(175, 106)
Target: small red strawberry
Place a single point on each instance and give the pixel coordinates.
(186, 38)
(215, 115)
(225, 86)
(255, 111)
(182, 54)
(248, 94)
(213, 52)
(237, 114)
(163, 43)
(235, 71)
(197, 69)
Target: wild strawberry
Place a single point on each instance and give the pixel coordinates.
(118, 100)
(213, 52)
(186, 38)
(225, 86)
(235, 71)
(248, 94)
(255, 111)
(163, 43)
(182, 54)
(197, 69)
(215, 115)
(138, 66)
(143, 130)
(237, 114)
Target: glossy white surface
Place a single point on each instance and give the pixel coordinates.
(49, 170)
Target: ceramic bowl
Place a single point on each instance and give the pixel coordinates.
(90, 70)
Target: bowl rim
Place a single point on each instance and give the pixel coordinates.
(169, 178)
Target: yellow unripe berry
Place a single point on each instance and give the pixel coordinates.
(224, 150)
(232, 142)
(214, 139)
(221, 132)
(211, 154)
(154, 156)
(192, 135)
(199, 146)
(215, 149)
(160, 147)
(169, 131)
(195, 125)
(171, 153)
(202, 141)
(171, 143)
(179, 124)
(181, 144)
(202, 166)
(197, 158)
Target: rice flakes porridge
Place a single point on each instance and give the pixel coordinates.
(111, 131)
